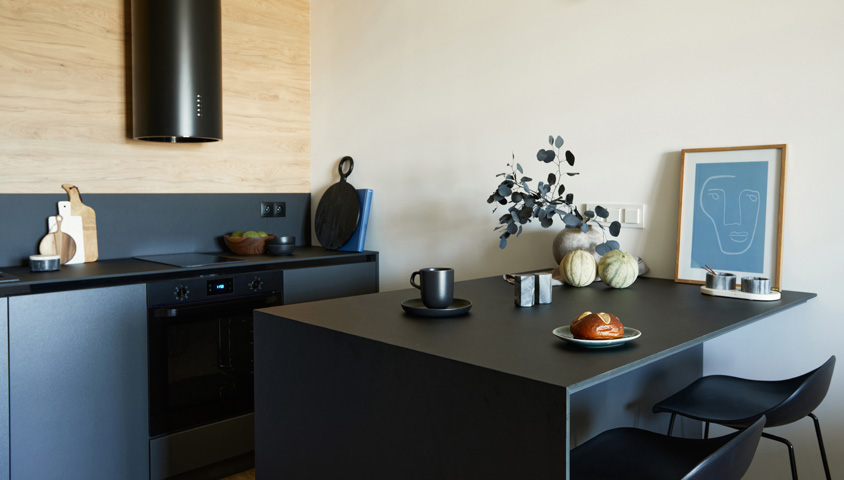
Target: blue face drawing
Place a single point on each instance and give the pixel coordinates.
(733, 211)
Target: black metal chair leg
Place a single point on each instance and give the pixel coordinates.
(671, 424)
(820, 444)
(790, 452)
(706, 431)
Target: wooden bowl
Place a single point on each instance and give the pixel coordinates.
(247, 245)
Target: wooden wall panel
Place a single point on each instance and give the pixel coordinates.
(65, 97)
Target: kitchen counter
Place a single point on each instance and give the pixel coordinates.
(126, 271)
(492, 394)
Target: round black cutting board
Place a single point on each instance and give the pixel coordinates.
(338, 211)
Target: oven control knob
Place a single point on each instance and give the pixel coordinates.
(181, 292)
(256, 284)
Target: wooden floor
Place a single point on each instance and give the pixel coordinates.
(247, 475)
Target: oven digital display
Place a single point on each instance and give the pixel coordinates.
(220, 286)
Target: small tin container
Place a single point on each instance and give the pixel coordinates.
(722, 281)
(543, 288)
(44, 263)
(755, 285)
(525, 287)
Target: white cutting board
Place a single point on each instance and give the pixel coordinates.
(71, 225)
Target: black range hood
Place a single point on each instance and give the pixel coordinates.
(177, 87)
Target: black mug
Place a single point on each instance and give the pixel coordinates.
(437, 286)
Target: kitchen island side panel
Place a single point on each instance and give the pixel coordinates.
(333, 405)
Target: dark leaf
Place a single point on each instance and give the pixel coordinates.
(505, 218)
(585, 228)
(552, 179)
(502, 174)
(602, 249)
(541, 215)
(569, 198)
(561, 189)
(509, 177)
(512, 228)
(569, 158)
(490, 199)
(615, 228)
(613, 244)
(601, 211)
(503, 242)
(558, 142)
(503, 201)
(549, 212)
(546, 156)
(546, 222)
(571, 220)
(571, 174)
(550, 139)
(520, 231)
(516, 197)
(519, 168)
(589, 214)
(504, 190)
(530, 202)
(526, 179)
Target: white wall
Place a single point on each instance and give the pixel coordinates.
(432, 97)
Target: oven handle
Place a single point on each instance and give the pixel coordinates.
(216, 306)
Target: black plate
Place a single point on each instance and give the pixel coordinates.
(416, 307)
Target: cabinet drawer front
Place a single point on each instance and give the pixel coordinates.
(320, 283)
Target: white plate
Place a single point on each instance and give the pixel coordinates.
(565, 334)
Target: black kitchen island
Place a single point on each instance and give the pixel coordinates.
(357, 388)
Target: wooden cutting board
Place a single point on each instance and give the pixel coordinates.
(71, 225)
(58, 243)
(89, 222)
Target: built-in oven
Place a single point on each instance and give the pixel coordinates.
(200, 357)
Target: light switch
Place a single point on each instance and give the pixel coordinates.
(631, 215)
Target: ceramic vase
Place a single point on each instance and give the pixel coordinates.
(573, 238)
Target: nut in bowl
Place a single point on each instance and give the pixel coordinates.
(246, 244)
(283, 245)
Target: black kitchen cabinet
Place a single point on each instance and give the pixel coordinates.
(78, 384)
(320, 283)
(4, 387)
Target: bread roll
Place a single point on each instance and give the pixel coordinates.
(597, 326)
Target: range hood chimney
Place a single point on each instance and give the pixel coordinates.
(177, 87)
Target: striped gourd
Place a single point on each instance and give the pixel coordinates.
(578, 268)
(618, 269)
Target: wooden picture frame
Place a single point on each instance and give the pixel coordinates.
(731, 211)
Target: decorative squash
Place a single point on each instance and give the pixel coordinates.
(618, 269)
(578, 268)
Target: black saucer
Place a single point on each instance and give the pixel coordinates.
(415, 306)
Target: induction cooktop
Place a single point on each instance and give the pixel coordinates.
(186, 260)
(5, 277)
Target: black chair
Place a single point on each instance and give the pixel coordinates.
(737, 402)
(634, 454)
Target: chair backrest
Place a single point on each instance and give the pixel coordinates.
(731, 461)
(810, 390)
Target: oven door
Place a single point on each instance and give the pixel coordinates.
(200, 362)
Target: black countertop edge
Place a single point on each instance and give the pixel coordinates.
(125, 271)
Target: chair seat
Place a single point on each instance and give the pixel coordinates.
(634, 454)
(727, 400)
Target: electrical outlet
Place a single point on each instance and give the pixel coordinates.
(279, 209)
(266, 209)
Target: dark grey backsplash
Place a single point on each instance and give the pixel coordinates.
(150, 224)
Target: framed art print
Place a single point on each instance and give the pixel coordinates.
(730, 216)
